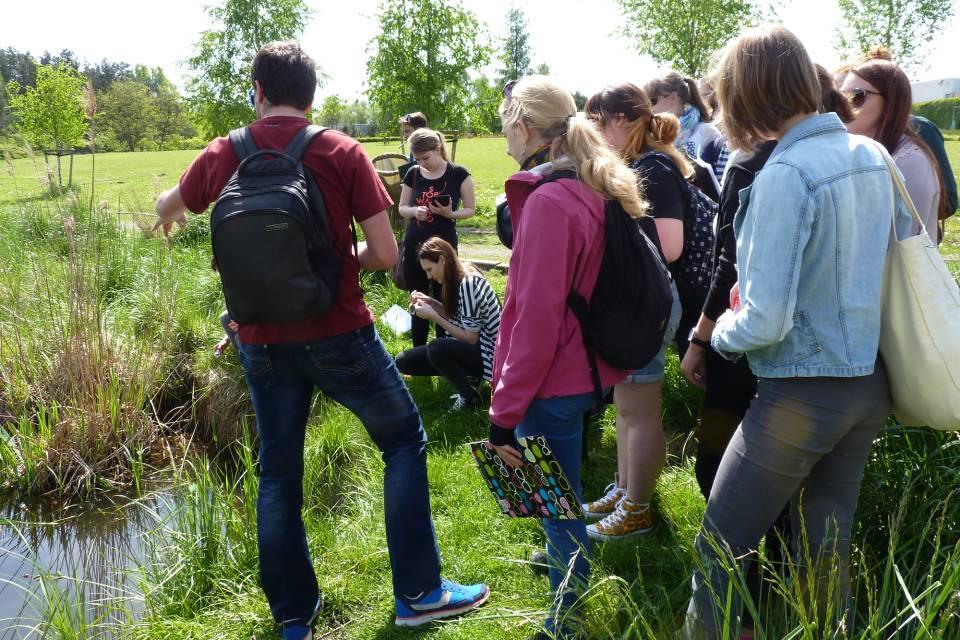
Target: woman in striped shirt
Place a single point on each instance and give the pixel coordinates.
(468, 311)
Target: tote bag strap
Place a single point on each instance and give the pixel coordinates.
(904, 194)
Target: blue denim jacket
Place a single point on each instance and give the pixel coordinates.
(812, 235)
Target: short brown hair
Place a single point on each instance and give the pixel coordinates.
(830, 97)
(416, 120)
(764, 78)
(286, 74)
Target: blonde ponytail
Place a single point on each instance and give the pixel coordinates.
(547, 108)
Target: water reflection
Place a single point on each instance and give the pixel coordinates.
(72, 561)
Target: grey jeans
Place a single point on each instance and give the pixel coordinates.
(805, 441)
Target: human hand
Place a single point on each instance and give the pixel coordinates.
(694, 365)
(166, 225)
(735, 297)
(509, 455)
(444, 210)
(423, 214)
(423, 309)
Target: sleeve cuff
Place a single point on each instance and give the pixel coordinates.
(501, 436)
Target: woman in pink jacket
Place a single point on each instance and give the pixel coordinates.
(541, 377)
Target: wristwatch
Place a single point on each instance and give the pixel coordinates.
(693, 339)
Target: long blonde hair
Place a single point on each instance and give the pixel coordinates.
(646, 130)
(545, 107)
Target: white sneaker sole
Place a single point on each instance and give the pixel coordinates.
(430, 616)
(595, 535)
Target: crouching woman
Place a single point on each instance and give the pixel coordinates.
(468, 311)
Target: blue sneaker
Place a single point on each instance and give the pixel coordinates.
(447, 600)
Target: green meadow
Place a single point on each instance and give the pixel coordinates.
(108, 388)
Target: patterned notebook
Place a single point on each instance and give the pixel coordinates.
(538, 489)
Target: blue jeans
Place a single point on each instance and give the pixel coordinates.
(560, 421)
(356, 371)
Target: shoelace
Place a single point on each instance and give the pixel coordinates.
(459, 402)
(611, 491)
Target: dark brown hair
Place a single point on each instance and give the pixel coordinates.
(832, 100)
(286, 74)
(647, 131)
(416, 120)
(435, 248)
(894, 87)
(764, 78)
(684, 87)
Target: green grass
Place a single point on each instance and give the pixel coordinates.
(75, 291)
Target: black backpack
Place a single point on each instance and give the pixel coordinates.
(271, 237)
(694, 268)
(625, 320)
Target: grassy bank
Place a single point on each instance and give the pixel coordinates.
(107, 373)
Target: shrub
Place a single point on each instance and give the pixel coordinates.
(939, 112)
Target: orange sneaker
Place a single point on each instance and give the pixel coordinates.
(628, 519)
(606, 504)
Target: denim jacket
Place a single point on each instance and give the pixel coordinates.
(812, 235)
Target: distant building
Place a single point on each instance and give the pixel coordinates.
(935, 89)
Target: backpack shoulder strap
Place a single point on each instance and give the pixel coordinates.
(562, 174)
(242, 141)
(302, 140)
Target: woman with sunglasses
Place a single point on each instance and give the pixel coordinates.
(541, 381)
(880, 94)
(435, 194)
(812, 235)
(679, 95)
(645, 141)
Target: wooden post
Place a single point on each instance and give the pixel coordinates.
(59, 171)
(70, 181)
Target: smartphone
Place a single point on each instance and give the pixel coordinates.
(441, 201)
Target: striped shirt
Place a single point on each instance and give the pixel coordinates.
(478, 310)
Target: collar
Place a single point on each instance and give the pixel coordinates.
(816, 125)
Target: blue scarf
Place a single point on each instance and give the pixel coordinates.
(688, 124)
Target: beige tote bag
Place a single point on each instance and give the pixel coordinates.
(920, 327)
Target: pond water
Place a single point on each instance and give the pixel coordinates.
(77, 559)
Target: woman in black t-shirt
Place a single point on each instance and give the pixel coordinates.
(436, 193)
(645, 140)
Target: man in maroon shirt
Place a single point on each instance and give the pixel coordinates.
(338, 352)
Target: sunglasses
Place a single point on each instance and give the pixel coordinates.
(252, 97)
(508, 89)
(859, 96)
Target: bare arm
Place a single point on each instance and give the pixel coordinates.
(671, 237)
(468, 201)
(379, 250)
(407, 209)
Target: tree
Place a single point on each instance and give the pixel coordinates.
(65, 58)
(330, 111)
(684, 33)
(50, 115)
(902, 26)
(515, 56)
(580, 100)
(169, 116)
(421, 58)
(126, 109)
(18, 67)
(483, 115)
(543, 69)
(105, 73)
(220, 65)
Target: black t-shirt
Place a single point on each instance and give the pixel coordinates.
(662, 186)
(426, 190)
(663, 190)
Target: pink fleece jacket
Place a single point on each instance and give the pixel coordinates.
(558, 242)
